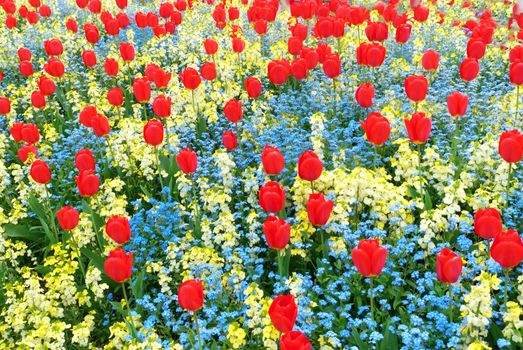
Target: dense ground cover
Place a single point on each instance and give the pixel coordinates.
(377, 166)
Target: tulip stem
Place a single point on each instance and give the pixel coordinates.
(451, 304)
(198, 331)
(420, 173)
(159, 169)
(375, 155)
(507, 285)
(335, 96)
(324, 245)
(79, 254)
(455, 143)
(372, 298)
(133, 328)
(509, 179)
(517, 105)
(95, 228)
(50, 211)
(281, 255)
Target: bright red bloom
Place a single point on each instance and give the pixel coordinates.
(507, 249)
(377, 31)
(211, 46)
(469, 69)
(16, 131)
(208, 71)
(86, 115)
(190, 78)
(253, 87)
(516, 72)
(369, 257)
(115, 96)
(162, 106)
(30, 133)
(111, 67)
(142, 90)
(89, 58)
(5, 105)
(319, 209)
(272, 197)
(457, 104)
(430, 60)
(416, 87)
(233, 110)
(190, 295)
(229, 140)
(46, 86)
(476, 48)
(84, 160)
(40, 172)
(277, 232)
(283, 313)
(418, 128)
(511, 146)
(118, 265)
(100, 125)
(310, 166)
(377, 128)
(187, 161)
(54, 67)
(87, 183)
(278, 71)
(68, 218)
(23, 152)
(371, 55)
(295, 340)
(332, 66)
(448, 266)
(53, 47)
(487, 223)
(118, 228)
(26, 68)
(127, 51)
(153, 132)
(37, 99)
(272, 160)
(403, 33)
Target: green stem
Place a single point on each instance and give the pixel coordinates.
(50, 213)
(517, 105)
(375, 155)
(324, 245)
(420, 173)
(133, 330)
(198, 331)
(335, 96)
(159, 169)
(509, 179)
(281, 253)
(79, 255)
(507, 286)
(451, 304)
(372, 297)
(96, 230)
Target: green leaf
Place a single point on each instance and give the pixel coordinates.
(357, 339)
(411, 191)
(428, 201)
(23, 232)
(137, 286)
(97, 260)
(37, 207)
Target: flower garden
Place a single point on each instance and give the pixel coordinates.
(261, 175)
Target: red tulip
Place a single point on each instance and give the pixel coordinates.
(142, 90)
(295, 340)
(71, 25)
(253, 87)
(299, 68)
(238, 45)
(421, 13)
(487, 223)
(229, 140)
(91, 33)
(118, 228)
(162, 106)
(277, 232)
(371, 55)
(54, 67)
(319, 209)
(100, 125)
(430, 60)
(469, 69)
(377, 128)
(310, 166)
(332, 66)
(507, 249)
(187, 161)
(24, 54)
(294, 45)
(53, 47)
(16, 131)
(84, 160)
(403, 33)
(5, 105)
(115, 96)
(516, 72)
(233, 110)
(211, 46)
(111, 67)
(190, 295)
(87, 183)
(40, 172)
(30, 133)
(208, 71)
(26, 68)
(511, 146)
(416, 87)
(46, 86)
(89, 58)
(476, 48)
(377, 31)
(457, 104)
(153, 132)
(68, 218)
(86, 115)
(118, 265)
(418, 127)
(127, 52)
(369, 257)
(272, 160)
(283, 313)
(272, 197)
(160, 78)
(448, 266)
(278, 71)
(190, 78)
(37, 99)
(23, 152)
